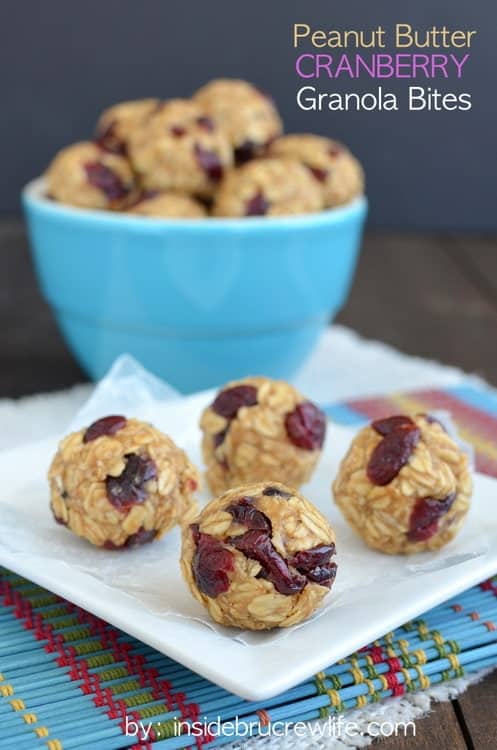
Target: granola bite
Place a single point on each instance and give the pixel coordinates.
(258, 429)
(169, 205)
(268, 187)
(86, 176)
(336, 171)
(247, 115)
(121, 483)
(404, 485)
(116, 123)
(259, 557)
(180, 147)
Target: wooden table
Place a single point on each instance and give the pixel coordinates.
(430, 295)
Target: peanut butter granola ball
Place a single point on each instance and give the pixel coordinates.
(116, 123)
(247, 115)
(121, 483)
(258, 428)
(84, 175)
(169, 205)
(180, 147)
(404, 485)
(259, 557)
(335, 170)
(268, 187)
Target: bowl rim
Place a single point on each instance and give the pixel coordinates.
(33, 197)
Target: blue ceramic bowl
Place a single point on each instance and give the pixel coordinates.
(198, 302)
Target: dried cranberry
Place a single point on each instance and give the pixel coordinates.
(191, 485)
(308, 559)
(104, 426)
(142, 196)
(245, 152)
(129, 487)
(323, 574)
(389, 424)
(195, 529)
(142, 536)
(423, 523)
(211, 564)
(58, 519)
(257, 545)
(257, 205)
(227, 403)
(319, 174)
(103, 178)
(108, 140)
(218, 438)
(209, 161)
(177, 130)
(275, 492)
(206, 123)
(245, 513)
(433, 420)
(316, 564)
(391, 454)
(306, 426)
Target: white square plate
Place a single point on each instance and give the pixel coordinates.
(141, 591)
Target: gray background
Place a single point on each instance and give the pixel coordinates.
(63, 61)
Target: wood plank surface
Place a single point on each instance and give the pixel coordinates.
(440, 730)
(477, 712)
(413, 293)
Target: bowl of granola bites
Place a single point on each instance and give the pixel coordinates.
(195, 235)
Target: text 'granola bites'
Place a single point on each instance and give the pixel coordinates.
(116, 123)
(121, 483)
(258, 429)
(259, 557)
(179, 147)
(247, 116)
(404, 485)
(336, 171)
(268, 187)
(86, 176)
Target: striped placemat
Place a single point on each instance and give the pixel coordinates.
(71, 680)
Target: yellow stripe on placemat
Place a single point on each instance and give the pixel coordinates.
(18, 704)
(54, 745)
(424, 680)
(30, 718)
(42, 732)
(420, 655)
(6, 690)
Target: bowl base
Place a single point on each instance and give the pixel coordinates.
(193, 364)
